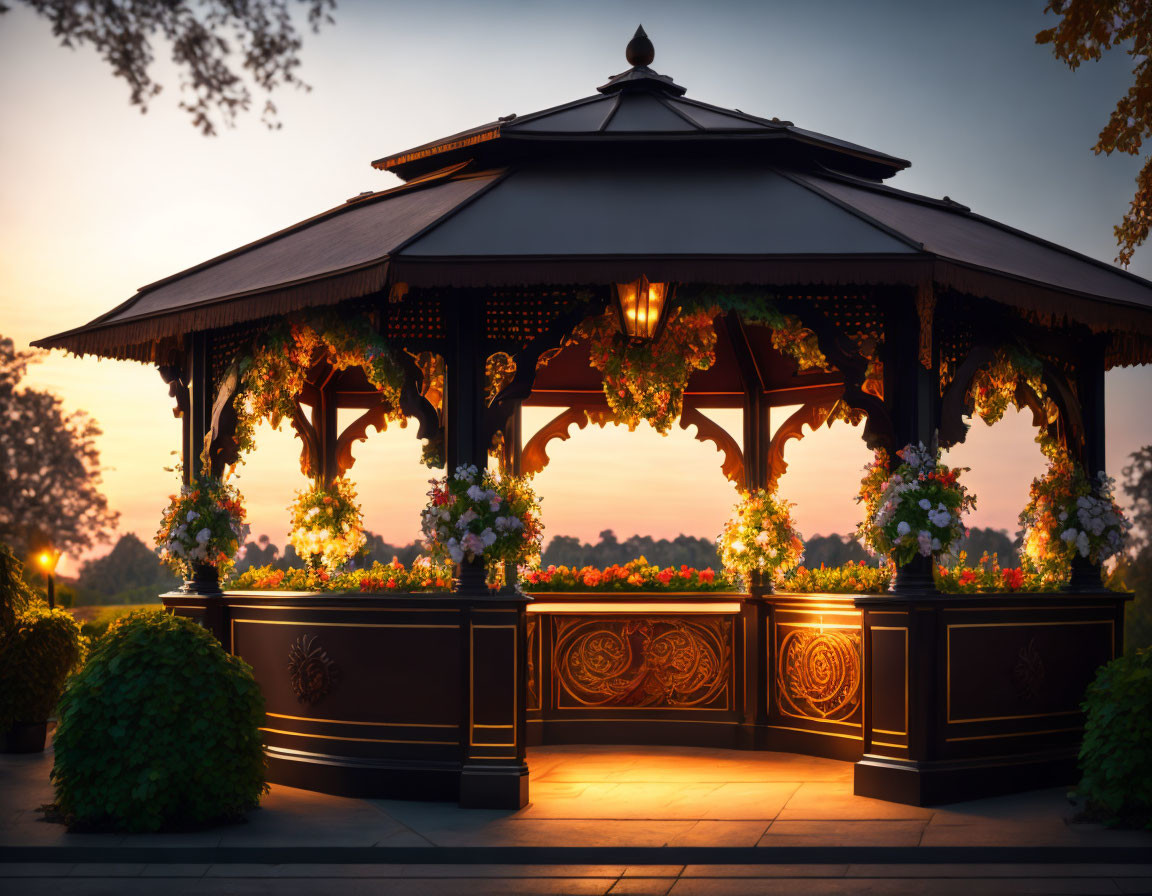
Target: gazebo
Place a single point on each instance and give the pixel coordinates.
(500, 242)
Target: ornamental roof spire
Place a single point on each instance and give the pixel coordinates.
(640, 52)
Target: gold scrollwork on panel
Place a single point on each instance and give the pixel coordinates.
(533, 673)
(818, 673)
(656, 663)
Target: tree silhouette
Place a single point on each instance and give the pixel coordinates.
(1087, 29)
(219, 48)
(50, 473)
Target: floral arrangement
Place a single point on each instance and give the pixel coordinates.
(327, 526)
(851, 578)
(986, 576)
(993, 389)
(917, 509)
(203, 524)
(275, 373)
(473, 514)
(1065, 517)
(423, 575)
(760, 537)
(635, 575)
(646, 380)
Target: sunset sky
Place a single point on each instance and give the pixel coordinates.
(97, 200)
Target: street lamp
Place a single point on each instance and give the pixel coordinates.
(641, 306)
(48, 559)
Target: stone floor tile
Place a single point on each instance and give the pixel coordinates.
(174, 869)
(1141, 885)
(722, 833)
(563, 832)
(773, 870)
(818, 800)
(743, 801)
(890, 887)
(106, 869)
(643, 886)
(998, 833)
(1098, 872)
(34, 869)
(653, 870)
(888, 832)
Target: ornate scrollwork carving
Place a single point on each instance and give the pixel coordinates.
(818, 673)
(812, 415)
(708, 430)
(532, 695)
(357, 431)
(534, 456)
(310, 441)
(312, 672)
(633, 662)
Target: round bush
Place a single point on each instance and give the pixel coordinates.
(1115, 755)
(36, 656)
(159, 730)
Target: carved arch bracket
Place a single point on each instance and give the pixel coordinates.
(534, 456)
(708, 430)
(813, 415)
(357, 431)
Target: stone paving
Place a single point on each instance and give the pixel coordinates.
(601, 820)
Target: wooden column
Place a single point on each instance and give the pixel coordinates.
(1089, 381)
(200, 404)
(912, 394)
(324, 421)
(494, 773)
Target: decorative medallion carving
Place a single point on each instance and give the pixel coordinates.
(818, 673)
(1029, 673)
(532, 698)
(312, 672)
(633, 662)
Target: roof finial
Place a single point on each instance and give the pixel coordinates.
(640, 51)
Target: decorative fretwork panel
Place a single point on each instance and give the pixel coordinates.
(417, 321)
(514, 318)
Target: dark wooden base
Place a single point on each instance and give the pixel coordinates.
(494, 787)
(956, 781)
(634, 732)
(366, 778)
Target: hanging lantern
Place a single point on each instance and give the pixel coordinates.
(642, 307)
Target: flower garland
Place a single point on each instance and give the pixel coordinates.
(993, 389)
(635, 575)
(327, 526)
(474, 514)
(646, 380)
(760, 537)
(423, 575)
(204, 524)
(986, 576)
(919, 508)
(851, 578)
(273, 376)
(1064, 518)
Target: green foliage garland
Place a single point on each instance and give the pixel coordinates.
(273, 376)
(1114, 756)
(159, 729)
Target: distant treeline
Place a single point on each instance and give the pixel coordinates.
(131, 572)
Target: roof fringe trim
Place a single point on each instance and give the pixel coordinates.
(149, 340)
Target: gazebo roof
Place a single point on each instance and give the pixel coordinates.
(635, 180)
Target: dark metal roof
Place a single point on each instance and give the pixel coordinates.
(591, 219)
(638, 113)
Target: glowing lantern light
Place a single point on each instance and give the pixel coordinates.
(642, 307)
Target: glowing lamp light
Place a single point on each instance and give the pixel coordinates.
(48, 561)
(642, 307)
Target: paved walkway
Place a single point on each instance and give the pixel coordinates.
(602, 819)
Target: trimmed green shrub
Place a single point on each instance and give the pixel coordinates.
(36, 656)
(1116, 756)
(159, 730)
(15, 595)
